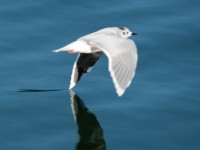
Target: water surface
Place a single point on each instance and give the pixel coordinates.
(160, 110)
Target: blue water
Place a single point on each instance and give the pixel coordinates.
(160, 110)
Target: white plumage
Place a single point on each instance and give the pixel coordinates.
(114, 42)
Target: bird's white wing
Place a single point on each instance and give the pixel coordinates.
(122, 56)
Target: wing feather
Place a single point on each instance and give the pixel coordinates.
(122, 56)
(83, 64)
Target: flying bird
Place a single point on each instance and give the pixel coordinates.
(115, 43)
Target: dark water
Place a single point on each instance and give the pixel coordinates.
(160, 110)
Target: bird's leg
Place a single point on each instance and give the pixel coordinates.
(71, 51)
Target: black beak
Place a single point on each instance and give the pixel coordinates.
(134, 33)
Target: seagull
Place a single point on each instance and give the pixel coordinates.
(114, 42)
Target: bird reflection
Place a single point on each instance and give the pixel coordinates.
(89, 130)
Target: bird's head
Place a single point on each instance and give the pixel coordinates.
(125, 32)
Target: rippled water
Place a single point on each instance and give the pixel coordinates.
(160, 110)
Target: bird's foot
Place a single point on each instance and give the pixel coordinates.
(71, 51)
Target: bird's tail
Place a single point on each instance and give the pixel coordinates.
(55, 51)
(59, 50)
(65, 48)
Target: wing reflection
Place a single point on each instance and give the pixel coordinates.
(89, 129)
(39, 90)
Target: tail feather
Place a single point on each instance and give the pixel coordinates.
(65, 48)
(55, 51)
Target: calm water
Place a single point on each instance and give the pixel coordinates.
(160, 110)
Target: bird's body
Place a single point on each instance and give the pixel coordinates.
(114, 42)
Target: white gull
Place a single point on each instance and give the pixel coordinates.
(114, 42)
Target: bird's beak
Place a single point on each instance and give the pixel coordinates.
(134, 33)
